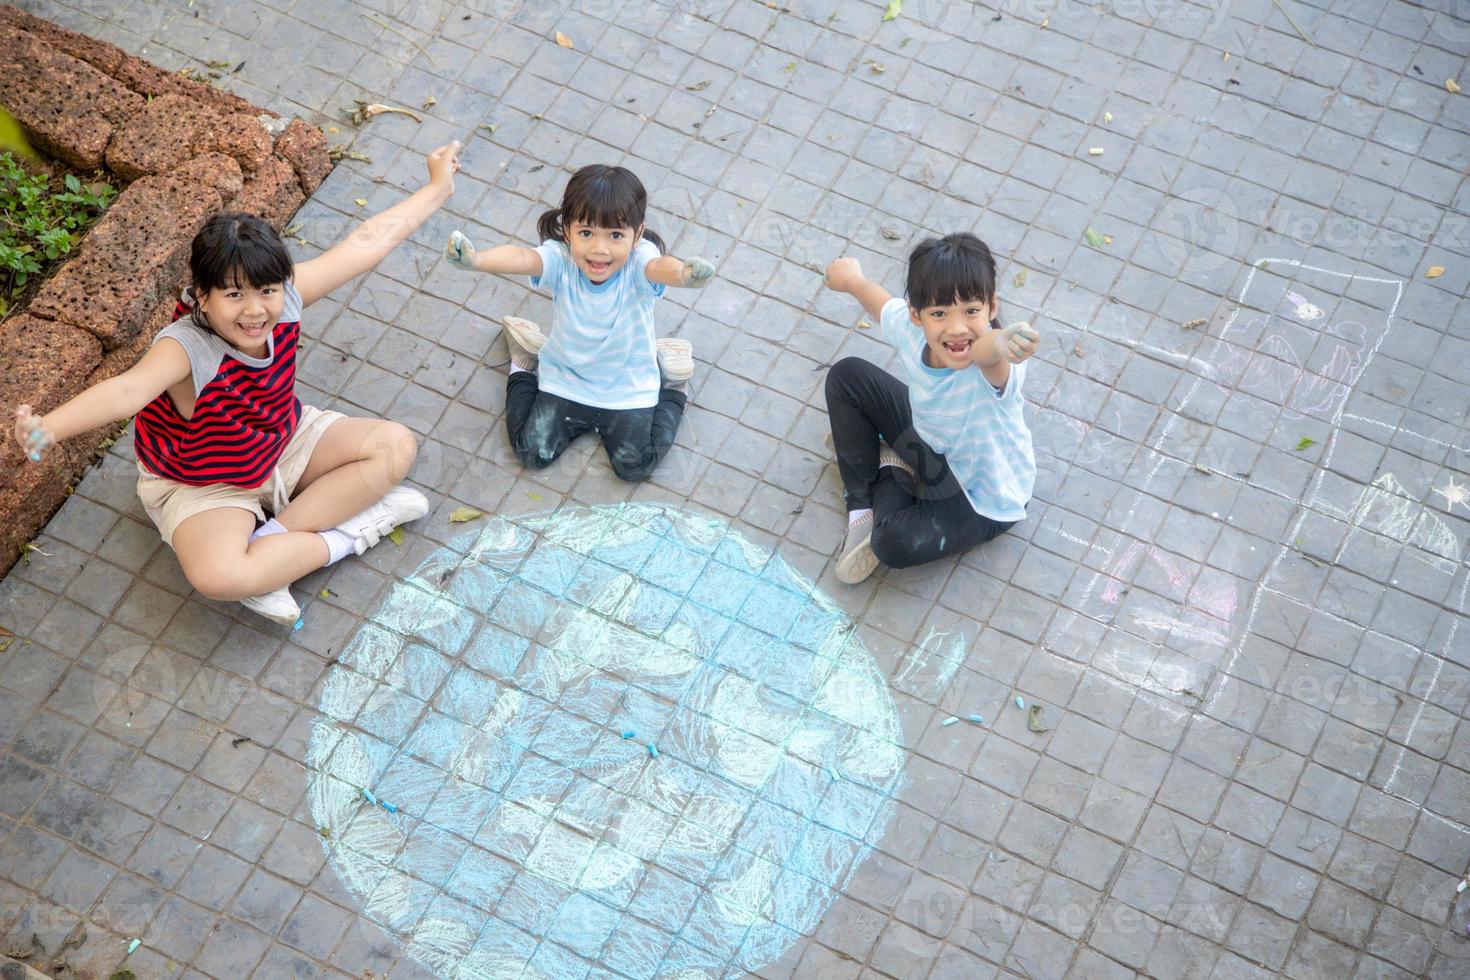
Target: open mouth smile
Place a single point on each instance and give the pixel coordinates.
(958, 348)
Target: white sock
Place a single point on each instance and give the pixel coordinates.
(270, 527)
(514, 367)
(853, 516)
(340, 544)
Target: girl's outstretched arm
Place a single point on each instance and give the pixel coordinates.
(670, 271)
(370, 242)
(122, 397)
(502, 260)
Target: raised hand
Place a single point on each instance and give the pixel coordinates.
(444, 164)
(461, 251)
(1019, 341)
(842, 273)
(32, 434)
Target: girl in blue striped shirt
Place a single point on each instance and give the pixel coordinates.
(944, 462)
(601, 369)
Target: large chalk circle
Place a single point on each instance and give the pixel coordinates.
(519, 833)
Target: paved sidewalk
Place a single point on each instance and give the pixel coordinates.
(1239, 599)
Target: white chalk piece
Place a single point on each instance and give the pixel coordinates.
(133, 946)
(949, 721)
(1460, 888)
(1021, 703)
(1095, 151)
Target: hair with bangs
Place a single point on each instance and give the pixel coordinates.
(957, 268)
(603, 197)
(234, 250)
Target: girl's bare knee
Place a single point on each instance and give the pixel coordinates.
(403, 446)
(217, 582)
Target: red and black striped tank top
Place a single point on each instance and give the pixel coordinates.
(243, 418)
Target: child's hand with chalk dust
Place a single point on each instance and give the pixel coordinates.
(698, 272)
(32, 435)
(460, 251)
(1019, 341)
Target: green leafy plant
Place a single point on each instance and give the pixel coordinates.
(41, 219)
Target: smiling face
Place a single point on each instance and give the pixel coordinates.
(952, 331)
(601, 252)
(243, 315)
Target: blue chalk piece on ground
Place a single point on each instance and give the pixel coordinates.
(653, 750)
(629, 734)
(367, 794)
(833, 773)
(1021, 702)
(133, 946)
(949, 721)
(389, 807)
(297, 627)
(978, 719)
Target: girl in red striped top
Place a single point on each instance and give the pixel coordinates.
(221, 437)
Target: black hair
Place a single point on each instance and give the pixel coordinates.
(957, 268)
(601, 196)
(233, 250)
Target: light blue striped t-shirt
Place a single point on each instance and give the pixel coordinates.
(980, 430)
(600, 349)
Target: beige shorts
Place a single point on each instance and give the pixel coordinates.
(170, 503)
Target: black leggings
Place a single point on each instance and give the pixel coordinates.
(542, 425)
(918, 518)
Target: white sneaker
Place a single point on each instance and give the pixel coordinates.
(277, 606)
(398, 506)
(524, 340)
(675, 362)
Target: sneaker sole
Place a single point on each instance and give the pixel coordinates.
(524, 335)
(857, 564)
(675, 360)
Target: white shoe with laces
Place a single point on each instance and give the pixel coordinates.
(524, 340)
(398, 506)
(277, 606)
(675, 362)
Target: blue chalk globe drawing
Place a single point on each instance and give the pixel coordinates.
(500, 706)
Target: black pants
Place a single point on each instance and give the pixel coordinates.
(542, 425)
(918, 518)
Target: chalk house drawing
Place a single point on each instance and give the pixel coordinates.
(1281, 347)
(518, 833)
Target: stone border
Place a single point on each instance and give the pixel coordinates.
(186, 151)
